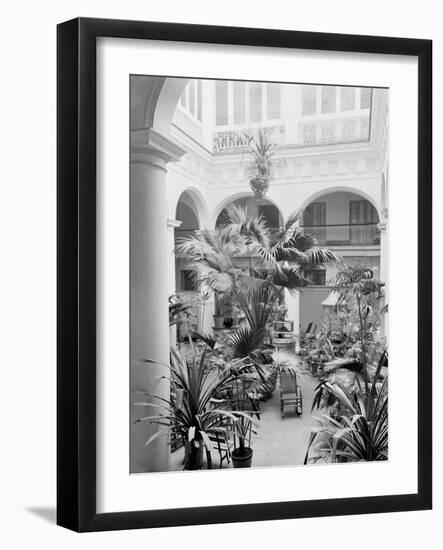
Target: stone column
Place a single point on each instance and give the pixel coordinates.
(384, 269)
(172, 225)
(149, 279)
(293, 304)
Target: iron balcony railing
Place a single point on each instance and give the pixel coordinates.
(228, 141)
(330, 234)
(344, 234)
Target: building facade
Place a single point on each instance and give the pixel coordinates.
(188, 163)
(331, 163)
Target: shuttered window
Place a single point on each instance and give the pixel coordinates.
(348, 128)
(314, 220)
(255, 101)
(328, 131)
(315, 214)
(362, 212)
(309, 131)
(309, 100)
(239, 103)
(365, 98)
(273, 101)
(347, 99)
(221, 102)
(328, 98)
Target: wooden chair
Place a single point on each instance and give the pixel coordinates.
(221, 438)
(290, 394)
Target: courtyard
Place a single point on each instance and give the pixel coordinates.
(270, 248)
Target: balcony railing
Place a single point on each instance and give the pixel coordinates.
(344, 234)
(237, 140)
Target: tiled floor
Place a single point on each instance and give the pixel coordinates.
(283, 442)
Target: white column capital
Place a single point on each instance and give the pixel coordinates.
(151, 147)
(172, 224)
(382, 226)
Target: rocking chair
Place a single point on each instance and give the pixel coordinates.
(290, 394)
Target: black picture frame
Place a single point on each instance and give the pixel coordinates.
(76, 265)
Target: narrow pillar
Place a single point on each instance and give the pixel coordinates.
(172, 225)
(293, 304)
(149, 279)
(384, 271)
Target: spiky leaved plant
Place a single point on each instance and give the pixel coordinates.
(193, 419)
(360, 431)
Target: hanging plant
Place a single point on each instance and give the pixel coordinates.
(260, 170)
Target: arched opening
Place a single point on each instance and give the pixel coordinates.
(347, 223)
(341, 218)
(261, 207)
(188, 222)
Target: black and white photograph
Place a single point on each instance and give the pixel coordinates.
(259, 283)
(220, 275)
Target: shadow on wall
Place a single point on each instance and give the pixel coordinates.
(47, 513)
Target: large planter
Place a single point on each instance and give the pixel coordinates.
(242, 458)
(193, 456)
(219, 321)
(259, 186)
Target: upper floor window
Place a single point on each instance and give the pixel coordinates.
(221, 102)
(273, 101)
(314, 214)
(239, 102)
(328, 131)
(244, 102)
(365, 98)
(309, 133)
(255, 101)
(328, 99)
(348, 128)
(347, 99)
(191, 99)
(308, 100)
(318, 276)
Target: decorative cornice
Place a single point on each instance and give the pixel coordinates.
(151, 147)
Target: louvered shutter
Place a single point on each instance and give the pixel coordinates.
(221, 102)
(255, 101)
(273, 101)
(347, 99)
(239, 103)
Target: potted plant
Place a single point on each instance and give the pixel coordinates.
(237, 315)
(191, 417)
(260, 170)
(219, 317)
(242, 430)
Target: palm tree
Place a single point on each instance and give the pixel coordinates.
(287, 255)
(358, 283)
(261, 168)
(360, 432)
(192, 419)
(276, 259)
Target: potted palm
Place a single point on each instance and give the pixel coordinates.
(219, 317)
(260, 170)
(242, 430)
(191, 417)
